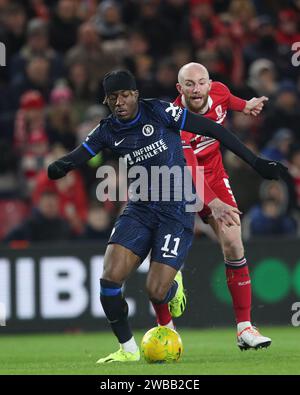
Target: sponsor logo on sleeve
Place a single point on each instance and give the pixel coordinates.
(175, 111)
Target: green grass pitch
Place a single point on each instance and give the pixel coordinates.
(209, 351)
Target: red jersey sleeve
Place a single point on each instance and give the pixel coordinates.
(235, 103)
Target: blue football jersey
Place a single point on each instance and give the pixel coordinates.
(151, 139)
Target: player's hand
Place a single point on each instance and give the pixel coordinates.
(255, 105)
(224, 214)
(271, 170)
(58, 169)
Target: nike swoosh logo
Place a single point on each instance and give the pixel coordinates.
(168, 256)
(119, 142)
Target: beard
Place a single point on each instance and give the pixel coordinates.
(197, 107)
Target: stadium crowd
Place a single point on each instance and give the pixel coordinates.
(57, 52)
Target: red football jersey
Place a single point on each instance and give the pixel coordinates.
(207, 149)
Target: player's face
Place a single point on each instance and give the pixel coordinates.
(195, 90)
(123, 104)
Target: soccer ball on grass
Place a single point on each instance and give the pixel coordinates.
(161, 344)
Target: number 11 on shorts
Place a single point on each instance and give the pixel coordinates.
(166, 247)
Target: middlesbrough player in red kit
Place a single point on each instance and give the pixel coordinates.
(212, 100)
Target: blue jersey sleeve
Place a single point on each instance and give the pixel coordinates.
(173, 116)
(94, 141)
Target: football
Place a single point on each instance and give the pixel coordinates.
(161, 344)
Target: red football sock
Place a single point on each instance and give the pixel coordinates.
(163, 315)
(239, 285)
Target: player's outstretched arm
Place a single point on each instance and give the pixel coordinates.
(62, 166)
(198, 124)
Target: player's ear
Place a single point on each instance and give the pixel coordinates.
(209, 87)
(136, 94)
(179, 88)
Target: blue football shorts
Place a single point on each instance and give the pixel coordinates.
(164, 229)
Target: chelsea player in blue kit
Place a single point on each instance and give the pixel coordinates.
(147, 133)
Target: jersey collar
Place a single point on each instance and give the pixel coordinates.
(210, 102)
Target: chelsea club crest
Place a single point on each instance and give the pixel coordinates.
(148, 130)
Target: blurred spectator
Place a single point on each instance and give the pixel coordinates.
(262, 78)
(108, 20)
(98, 226)
(71, 192)
(30, 119)
(288, 29)
(86, 9)
(44, 224)
(181, 54)
(265, 44)
(278, 147)
(37, 77)
(246, 127)
(138, 44)
(285, 113)
(64, 25)
(282, 191)
(37, 44)
(268, 219)
(38, 8)
(93, 115)
(13, 23)
(175, 11)
(275, 190)
(30, 138)
(13, 212)
(81, 84)
(202, 24)
(229, 56)
(155, 28)
(244, 181)
(241, 14)
(89, 49)
(34, 159)
(139, 61)
(209, 58)
(166, 79)
(274, 214)
(143, 65)
(61, 121)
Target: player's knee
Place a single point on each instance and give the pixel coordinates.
(233, 249)
(110, 274)
(156, 292)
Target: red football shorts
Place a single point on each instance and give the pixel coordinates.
(221, 187)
